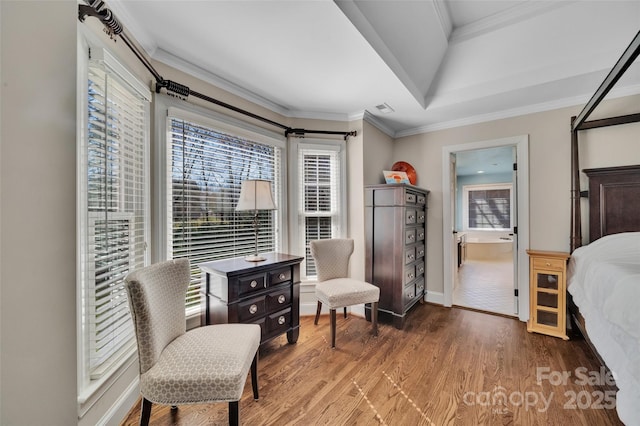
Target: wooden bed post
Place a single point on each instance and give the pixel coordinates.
(576, 217)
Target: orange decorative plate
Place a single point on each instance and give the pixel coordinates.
(402, 166)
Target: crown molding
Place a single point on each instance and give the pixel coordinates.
(442, 12)
(180, 64)
(515, 112)
(377, 123)
(131, 26)
(507, 17)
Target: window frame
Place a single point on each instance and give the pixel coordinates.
(167, 107)
(295, 185)
(482, 187)
(89, 390)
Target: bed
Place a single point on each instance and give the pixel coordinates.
(603, 282)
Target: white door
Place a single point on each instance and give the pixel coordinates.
(514, 224)
(454, 234)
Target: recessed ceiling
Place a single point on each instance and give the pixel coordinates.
(437, 64)
(488, 161)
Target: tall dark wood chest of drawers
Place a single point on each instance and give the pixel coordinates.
(266, 293)
(395, 250)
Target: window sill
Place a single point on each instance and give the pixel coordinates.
(92, 392)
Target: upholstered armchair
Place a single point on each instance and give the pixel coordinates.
(334, 288)
(204, 365)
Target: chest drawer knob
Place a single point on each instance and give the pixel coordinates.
(253, 308)
(281, 319)
(282, 298)
(548, 263)
(282, 276)
(253, 284)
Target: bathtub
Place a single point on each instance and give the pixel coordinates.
(489, 247)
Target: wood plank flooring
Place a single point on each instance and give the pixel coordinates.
(448, 366)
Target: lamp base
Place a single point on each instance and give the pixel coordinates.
(255, 258)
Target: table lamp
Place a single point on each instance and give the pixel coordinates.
(255, 194)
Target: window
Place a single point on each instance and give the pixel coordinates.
(207, 167)
(113, 209)
(320, 197)
(487, 207)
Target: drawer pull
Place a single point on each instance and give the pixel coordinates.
(281, 319)
(282, 276)
(281, 298)
(253, 284)
(253, 308)
(411, 257)
(411, 217)
(412, 237)
(410, 275)
(548, 264)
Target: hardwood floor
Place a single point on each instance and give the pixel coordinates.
(448, 366)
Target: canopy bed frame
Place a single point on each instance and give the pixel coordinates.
(614, 192)
(613, 208)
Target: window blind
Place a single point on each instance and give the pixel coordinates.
(489, 208)
(206, 171)
(320, 206)
(115, 217)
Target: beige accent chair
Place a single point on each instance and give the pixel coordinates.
(334, 288)
(204, 365)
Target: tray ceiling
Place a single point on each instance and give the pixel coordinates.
(437, 64)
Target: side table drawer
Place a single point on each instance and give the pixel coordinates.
(279, 276)
(251, 309)
(546, 263)
(278, 299)
(279, 321)
(251, 284)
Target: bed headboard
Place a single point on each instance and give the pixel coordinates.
(614, 200)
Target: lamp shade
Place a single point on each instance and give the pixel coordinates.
(255, 194)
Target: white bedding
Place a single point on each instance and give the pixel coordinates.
(604, 280)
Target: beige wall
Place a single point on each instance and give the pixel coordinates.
(378, 153)
(38, 178)
(549, 166)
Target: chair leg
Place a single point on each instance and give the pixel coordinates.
(332, 313)
(315, 322)
(254, 376)
(374, 317)
(234, 413)
(345, 311)
(145, 412)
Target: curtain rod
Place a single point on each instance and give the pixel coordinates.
(98, 9)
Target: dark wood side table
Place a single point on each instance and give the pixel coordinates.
(266, 293)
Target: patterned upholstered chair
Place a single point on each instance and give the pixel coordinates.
(334, 288)
(204, 365)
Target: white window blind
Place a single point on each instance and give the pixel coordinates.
(319, 197)
(207, 167)
(114, 213)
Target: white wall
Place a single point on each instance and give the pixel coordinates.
(549, 166)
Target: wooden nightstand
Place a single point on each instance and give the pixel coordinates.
(548, 298)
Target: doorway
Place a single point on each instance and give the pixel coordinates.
(484, 225)
(485, 218)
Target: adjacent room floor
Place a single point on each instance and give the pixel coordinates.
(486, 285)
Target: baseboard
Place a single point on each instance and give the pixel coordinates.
(122, 406)
(435, 297)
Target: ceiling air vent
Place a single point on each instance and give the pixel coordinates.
(384, 108)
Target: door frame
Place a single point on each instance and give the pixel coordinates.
(522, 187)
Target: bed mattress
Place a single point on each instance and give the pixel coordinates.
(604, 280)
